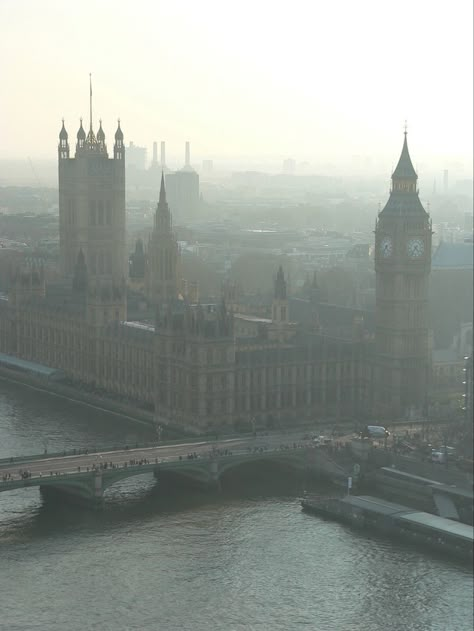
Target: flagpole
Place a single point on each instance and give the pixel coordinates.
(90, 100)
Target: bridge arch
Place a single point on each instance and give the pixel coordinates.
(167, 474)
(277, 462)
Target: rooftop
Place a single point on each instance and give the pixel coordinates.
(440, 524)
(375, 504)
(453, 256)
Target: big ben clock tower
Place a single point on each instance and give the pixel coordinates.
(402, 362)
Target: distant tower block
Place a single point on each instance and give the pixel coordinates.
(155, 153)
(163, 154)
(187, 157)
(445, 181)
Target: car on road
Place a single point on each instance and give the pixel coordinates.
(440, 454)
(322, 440)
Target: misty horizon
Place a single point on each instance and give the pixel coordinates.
(313, 88)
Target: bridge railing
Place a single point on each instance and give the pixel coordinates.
(93, 468)
(94, 449)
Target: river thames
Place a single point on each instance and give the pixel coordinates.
(245, 559)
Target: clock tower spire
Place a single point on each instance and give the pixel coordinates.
(402, 362)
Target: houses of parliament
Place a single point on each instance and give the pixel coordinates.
(211, 365)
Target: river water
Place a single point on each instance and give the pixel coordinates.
(245, 559)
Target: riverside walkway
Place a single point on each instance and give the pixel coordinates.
(85, 476)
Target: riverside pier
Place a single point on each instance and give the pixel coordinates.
(396, 520)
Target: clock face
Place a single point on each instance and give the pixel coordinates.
(386, 247)
(415, 248)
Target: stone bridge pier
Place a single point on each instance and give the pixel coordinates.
(87, 491)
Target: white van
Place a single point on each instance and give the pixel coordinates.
(377, 431)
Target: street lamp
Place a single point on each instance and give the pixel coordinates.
(159, 431)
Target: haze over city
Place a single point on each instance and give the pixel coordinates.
(236, 309)
(249, 83)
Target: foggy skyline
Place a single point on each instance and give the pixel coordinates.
(247, 82)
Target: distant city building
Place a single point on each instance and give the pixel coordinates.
(163, 155)
(135, 157)
(157, 167)
(182, 188)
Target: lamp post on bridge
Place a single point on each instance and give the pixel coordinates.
(159, 431)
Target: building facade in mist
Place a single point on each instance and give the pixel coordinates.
(182, 188)
(92, 220)
(135, 157)
(207, 365)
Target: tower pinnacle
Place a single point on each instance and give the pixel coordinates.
(404, 169)
(280, 285)
(162, 199)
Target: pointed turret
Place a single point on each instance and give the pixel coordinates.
(81, 136)
(119, 149)
(63, 133)
(100, 133)
(63, 147)
(119, 132)
(162, 199)
(404, 169)
(163, 220)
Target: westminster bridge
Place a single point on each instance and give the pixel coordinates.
(83, 477)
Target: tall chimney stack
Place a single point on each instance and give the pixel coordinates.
(155, 152)
(187, 159)
(163, 154)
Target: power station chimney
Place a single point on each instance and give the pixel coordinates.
(163, 154)
(187, 157)
(155, 152)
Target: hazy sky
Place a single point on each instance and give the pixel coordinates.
(254, 79)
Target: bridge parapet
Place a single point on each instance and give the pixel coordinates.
(205, 469)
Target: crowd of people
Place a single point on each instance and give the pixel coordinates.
(100, 465)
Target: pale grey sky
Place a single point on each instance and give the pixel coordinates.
(259, 79)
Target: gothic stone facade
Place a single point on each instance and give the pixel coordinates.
(200, 365)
